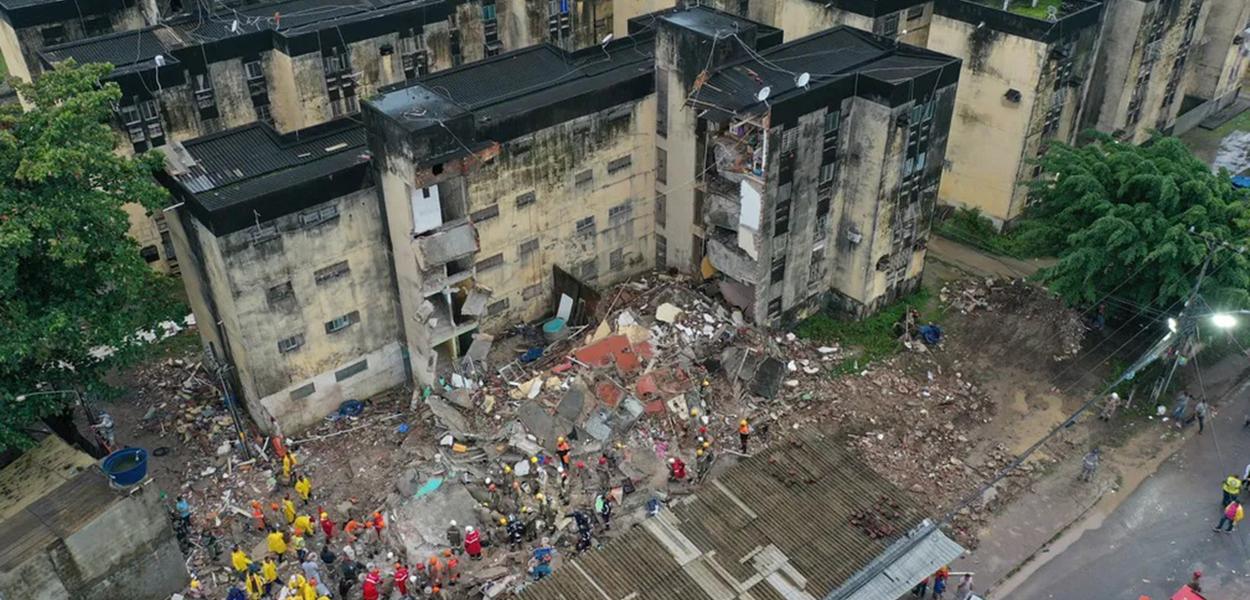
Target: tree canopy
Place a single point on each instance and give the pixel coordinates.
(71, 279)
(1138, 221)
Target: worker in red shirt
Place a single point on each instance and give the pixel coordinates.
(372, 581)
(401, 579)
(676, 469)
(327, 525)
(472, 543)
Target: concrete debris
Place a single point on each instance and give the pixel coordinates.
(667, 313)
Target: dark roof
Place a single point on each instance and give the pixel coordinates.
(294, 17)
(126, 51)
(235, 177)
(1076, 16)
(521, 91)
(708, 21)
(804, 503)
(827, 56)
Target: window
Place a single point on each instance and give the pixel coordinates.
(280, 292)
(619, 163)
(488, 12)
(774, 307)
(525, 199)
(589, 270)
(416, 59)
(620, 214)
(497, 307)
(486, 214)
(53, 35)
(97, 25)
(915, 12)
(661, 209)
(290, 344)
(778, 268)
(781, 216)
(253, 70)
(489, 263)
(888, 26)
(343, 322)
(661, 165)
(661, 103)
(150, 254)
(822, 219)
(616, 260)
(330, 273)
(263, 233)
(350, 370)
(583, 178)
(340, 84)
(204, 99)
(827, 172)
(303, 391)
(789, 139)
(585, 226)
(142, 121)
(661, 251)
(263, 114)
(532, 291)
(527, 248)
(318, 216)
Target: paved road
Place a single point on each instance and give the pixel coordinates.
(1152, 542)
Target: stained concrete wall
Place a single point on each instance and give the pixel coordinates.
(1125, 36)
(986, 154)
(1220, 63)
(240, 275)
(21, 46)
(549, 170)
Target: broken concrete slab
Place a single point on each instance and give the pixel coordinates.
(767, 377)
(453, 240)
(421, 523)
(598, 424)
(667, 313)
(574, 401)
(475, 303)
(447, 415)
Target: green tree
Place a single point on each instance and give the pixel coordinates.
(71, 279)
(1138, 221)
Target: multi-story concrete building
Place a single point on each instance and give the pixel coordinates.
(816, 163)
(904, 20)
(1219, 63)
(1023, 85)
(29, 26)
(285, 261)
(496, 188)
(1144, 65)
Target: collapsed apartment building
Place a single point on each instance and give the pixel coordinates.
(792, 174)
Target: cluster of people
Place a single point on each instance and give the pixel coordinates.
(939, 582)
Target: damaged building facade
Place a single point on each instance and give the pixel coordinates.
(495, 192)
(286, 267)
(815, 178)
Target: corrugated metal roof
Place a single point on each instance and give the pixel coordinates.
(118, 49)
(795, 517)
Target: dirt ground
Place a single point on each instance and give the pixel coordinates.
(938, 422)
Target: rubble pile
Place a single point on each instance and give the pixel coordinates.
(1042, 315)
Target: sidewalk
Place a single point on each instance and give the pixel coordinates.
(1038, 526)
(979, 262)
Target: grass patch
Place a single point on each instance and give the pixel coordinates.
(969, 226)
(1026, 8)
(873, 337)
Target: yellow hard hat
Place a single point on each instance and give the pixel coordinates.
(698, 452)
(507, 469)
(560, 439)
(742, 422)
(539, 496)
(534, 459)
(707, 444)
(694, 412)
(503, 520)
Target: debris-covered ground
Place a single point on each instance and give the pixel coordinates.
(661, 372)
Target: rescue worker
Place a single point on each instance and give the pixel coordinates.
(1231, 489)
(372, 582)
(702, 463)
(434, 567)
(562, 450)
(302, 526)
(453, 568)
(744, 434)
(401, 579)
(258, 514)
(516, 533)
(676, 469)
(472, 543)
(277, 544)
(603, 508)
(453, 537)
(327, 526)
(239, 560)
(303, 487)
(377, 524)
(288, 509)
(289, 461)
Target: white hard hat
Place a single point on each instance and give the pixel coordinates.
(468, 528)
(453, 522)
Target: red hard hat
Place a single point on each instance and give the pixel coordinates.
(1197, 573)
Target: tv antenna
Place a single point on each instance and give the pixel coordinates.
(803, 79)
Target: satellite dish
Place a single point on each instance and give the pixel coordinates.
(234, 26)
(763, 93)
(803, 79)
(160, 60)
(606, 39)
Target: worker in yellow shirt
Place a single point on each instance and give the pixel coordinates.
(269, 571)
(254, 584)
(277, 543)
(239, 560)
(308, 591)
(289, 461)
(303, 487)
(288, 509)
(302, 526)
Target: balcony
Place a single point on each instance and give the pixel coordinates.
(725, 254)
(443, 244)
(739, 155)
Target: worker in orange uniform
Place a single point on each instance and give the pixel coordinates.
(562, 449)
(378, 524)
(744, 434)
(352, 529)
(258, 514)
(435, 569)
(453, 568)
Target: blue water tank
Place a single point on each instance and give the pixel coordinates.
(126, 467)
